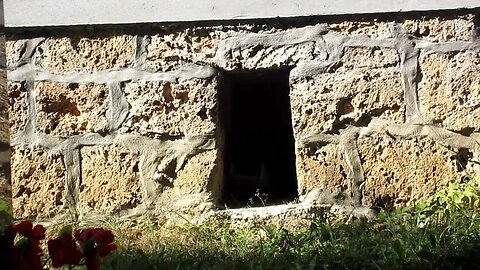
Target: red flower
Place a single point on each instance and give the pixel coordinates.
(26, 253)
(95, 242)
(26, 229)
(63, 250)
(29, 246)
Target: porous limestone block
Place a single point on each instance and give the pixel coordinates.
(367, 83)
(38, 183)
(18, 110)
(400, 172)
(373, 28)
(441, 29)
(14, 50)
(322, 168)
(258, 57)
(450, 89)
(110, 180)
(168, 51)
(190, 191)
(275, 49)
(363, 57)
(86, 54)
(71, 109)
(165, 108)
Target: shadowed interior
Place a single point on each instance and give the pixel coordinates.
(259, 154)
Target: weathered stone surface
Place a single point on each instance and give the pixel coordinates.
(324, 168)
(18, 107)
(38, 183)
(169, 51)
(187, 107)
(195, 176)
(110, 180)
(399, 172)
(13, 51)
(357, 90)
(189, 191)
(67, 54)
(258, 57)
(370, 28)
(461, 28)
(359, 57)
(449, 89)
(70, 109)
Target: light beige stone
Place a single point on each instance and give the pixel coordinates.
(189, 193)
(258, 57)
(400, 172)
(110, 180)
(195, 176)
(82, 54)
(324, 168)
(164, 108)
(38, 183)
(372, 28)
(18, 107)
(71, 109)
(171, 50)
(460, 28)
(450, 88)
(13, 50)
(349, 94)
(376, 57)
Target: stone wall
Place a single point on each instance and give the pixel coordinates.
(123, 120)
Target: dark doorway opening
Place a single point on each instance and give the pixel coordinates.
(258, 144)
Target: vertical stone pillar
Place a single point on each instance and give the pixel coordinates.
(5, 183)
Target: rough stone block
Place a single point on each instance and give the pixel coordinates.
(13, 50)
(189, 192)
(169, 51)
(376, 57)
(195, 176)
(81, 54)
(164, 108)
(372, 28)
(399, 172)
(38, 183)
(258, 57)
(271, 48)
(110, 180)
(17, 95)
(350, 94)
(70, 109)
(449, 89)
(440, 29)
(324, 168)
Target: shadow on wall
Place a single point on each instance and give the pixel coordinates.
(5, 184)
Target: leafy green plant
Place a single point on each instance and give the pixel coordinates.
(5, 214)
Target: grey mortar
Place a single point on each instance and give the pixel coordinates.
(119, 107)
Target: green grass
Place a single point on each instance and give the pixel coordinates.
(441, 233)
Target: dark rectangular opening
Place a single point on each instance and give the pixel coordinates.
(258, 144)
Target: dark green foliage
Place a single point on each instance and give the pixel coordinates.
(441, 233)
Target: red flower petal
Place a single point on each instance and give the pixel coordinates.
(64, 251)
(92, 263)
(38, 232)
(24, 228)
